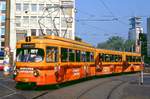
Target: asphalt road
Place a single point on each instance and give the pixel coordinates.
(116, 87)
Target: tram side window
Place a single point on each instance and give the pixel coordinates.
(51, 54)
(102, 57)
(137, 59)
(129, 58)
(133, 58)
(88, 56)
(64, 54)
(120, 58)
(83, 56)
(112, 58)
(78, 55)
(71, 55)
(91, 57)
(107, 58)
(116, 58)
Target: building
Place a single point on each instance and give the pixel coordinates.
(134, 30)
(2, 23)
(148, 37)
(48, 17)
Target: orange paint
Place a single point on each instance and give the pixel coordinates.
(58, 71)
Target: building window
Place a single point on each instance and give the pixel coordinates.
(56, 7)
(56, 21)
(2, 23)
(3, 6)
(3, 11)
(49, 31)
(25, 7)
(49, 7)
(18, 7)
(33, 7)
(49, 21)
(26, 20)
(40, 32)
(67, 11)
(18, 21)
(3, 18)
(41, 7)
(33, 32)
(2, 36)
(33, 19)
(42, 19)
(20, 36)
(2, 31)
(63, 22)
(2, 44)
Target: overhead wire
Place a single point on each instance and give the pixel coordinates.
(113, 15)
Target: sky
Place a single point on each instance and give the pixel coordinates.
(105, 13)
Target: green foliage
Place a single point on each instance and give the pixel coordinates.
(117, 43)
(143, 39)
(78, 38)
(129, 45)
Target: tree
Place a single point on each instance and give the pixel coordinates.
(129, 45)
(78, 38)
(113, 43)
(118, 43)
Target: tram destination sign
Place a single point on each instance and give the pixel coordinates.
(31, 45)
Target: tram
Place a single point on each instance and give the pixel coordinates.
(47, 60)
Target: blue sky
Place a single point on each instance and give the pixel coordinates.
(94, 32)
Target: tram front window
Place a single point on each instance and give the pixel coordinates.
(30, 55)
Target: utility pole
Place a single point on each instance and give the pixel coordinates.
(7, 25)
(7, 41)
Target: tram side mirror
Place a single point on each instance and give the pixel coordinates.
(28, 39)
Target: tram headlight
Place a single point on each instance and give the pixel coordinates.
(36, 73)
(15, 73)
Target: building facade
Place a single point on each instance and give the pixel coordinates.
(134, 30)
(44, 17)
(148, 37)
(2, 23)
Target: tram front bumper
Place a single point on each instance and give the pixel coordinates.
(40, 78)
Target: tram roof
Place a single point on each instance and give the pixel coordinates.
(118, 52)
(47, 39)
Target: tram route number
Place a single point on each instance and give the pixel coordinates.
(31, 45)
(76, 71)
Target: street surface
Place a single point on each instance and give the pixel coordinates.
(116, 87)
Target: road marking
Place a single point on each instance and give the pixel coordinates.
(7, 87)
(13, 91)
(9, 95)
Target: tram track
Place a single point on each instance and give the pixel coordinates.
(114, 83)
(91, 88)
(12, 91)
(42, 94)
(114, 88)
(100, 84)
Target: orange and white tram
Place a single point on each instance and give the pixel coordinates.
(49, 60)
